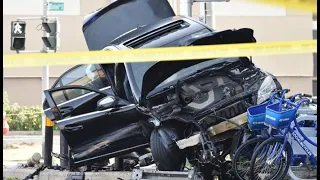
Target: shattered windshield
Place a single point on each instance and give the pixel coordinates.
(139, 70)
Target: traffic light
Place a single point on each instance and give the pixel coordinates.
(18, 35)
(52, 29)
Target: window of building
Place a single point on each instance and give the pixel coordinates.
(314, 87)
(314, 17)
(208, 13)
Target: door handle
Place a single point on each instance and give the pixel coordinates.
(73, 128)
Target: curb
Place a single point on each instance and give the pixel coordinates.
(50, 174)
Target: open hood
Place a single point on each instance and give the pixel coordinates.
(154, 75)
(110, 22)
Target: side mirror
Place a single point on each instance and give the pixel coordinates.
(107, 102)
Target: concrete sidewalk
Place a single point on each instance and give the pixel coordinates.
(27, 139)
(50, 174)
(13, 133)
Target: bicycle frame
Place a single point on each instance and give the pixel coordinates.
(291, 130)
(311, 156)
(306, 120)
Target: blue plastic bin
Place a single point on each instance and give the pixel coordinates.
(256, 116)
(278, 117)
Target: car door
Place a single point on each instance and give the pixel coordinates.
(95, 134)
(77, 102)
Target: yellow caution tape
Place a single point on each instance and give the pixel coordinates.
(302, 5)
(160, 54)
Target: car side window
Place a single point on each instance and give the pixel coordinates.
(59, 97)
(85, 75)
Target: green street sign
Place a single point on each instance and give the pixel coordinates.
(56, 6)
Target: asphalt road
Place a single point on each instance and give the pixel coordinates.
(27, 139)
(18, 148)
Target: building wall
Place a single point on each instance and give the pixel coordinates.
(269, 24)
(71, 40)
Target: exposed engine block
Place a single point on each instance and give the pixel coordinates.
(201, 93)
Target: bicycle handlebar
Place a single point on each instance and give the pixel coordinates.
(284, 91)
(300, 95)
(292, 98)
(297, 105)
(279, 93)
(306, 95)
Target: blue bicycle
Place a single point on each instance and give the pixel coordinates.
(259, 132)
(272, 158)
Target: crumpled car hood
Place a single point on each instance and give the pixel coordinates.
(106, 24)
(155, 75)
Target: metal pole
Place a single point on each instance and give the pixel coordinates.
(186, 7)
(189, 6)
(48, 143)
(47, 127)
(202, 12)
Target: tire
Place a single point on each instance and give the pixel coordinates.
(283, 168)
(252, 143)
(172, 159)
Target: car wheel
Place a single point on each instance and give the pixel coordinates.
(171, 159)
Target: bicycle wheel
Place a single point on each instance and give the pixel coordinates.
(302, 172)
(242, 158)
(264, 163)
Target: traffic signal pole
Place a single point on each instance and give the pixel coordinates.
(47, 127)
(186, 5)
(51, 29)
(47, 124)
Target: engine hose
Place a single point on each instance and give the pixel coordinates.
(171, 103)
(176, 118)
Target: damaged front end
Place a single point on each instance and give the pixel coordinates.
(208, 109)
(209, 97)
(205, 101)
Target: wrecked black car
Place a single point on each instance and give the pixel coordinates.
(111, 110)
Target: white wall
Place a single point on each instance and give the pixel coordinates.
(35, 7)
(245, 8)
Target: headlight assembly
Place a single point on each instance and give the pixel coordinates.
(266, 89)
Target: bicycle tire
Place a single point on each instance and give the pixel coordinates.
(238, 153)
(280, 173)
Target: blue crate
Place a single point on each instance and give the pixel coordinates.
(256, 116)
(279, 117)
